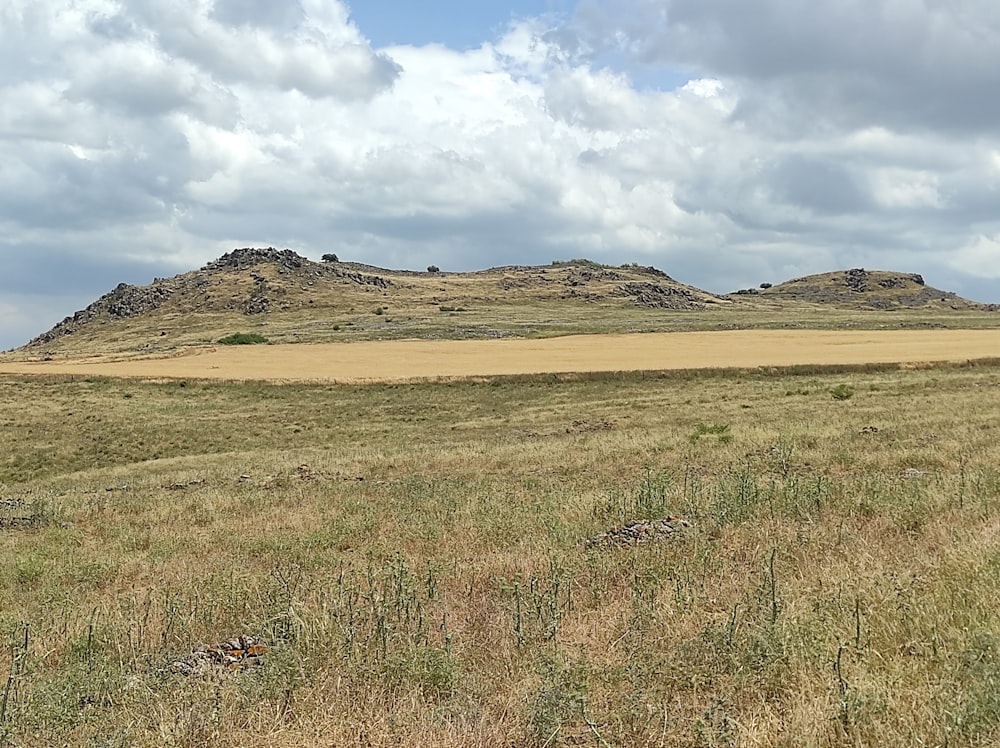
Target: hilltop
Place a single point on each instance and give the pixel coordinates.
(285, 297)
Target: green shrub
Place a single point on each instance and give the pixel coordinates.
(842, 392)
(719, 430)
(243, 338)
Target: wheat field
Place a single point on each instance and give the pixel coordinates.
(405, 360)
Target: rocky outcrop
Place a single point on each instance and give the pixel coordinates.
(243, 259)
(659, 296)
(123, 302)
(867, 289)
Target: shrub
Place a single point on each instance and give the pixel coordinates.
(842, 392)
(243, 338)
(331, 258)
(719, 430)
(433, 269)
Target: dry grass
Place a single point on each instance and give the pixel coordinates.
(409, 360)
(412, 553)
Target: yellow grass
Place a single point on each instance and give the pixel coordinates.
(402, 360)
(413, 553)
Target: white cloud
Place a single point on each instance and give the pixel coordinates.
(981, 254)
(906, 188)
(153, 135)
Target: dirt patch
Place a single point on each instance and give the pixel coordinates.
(407, 360)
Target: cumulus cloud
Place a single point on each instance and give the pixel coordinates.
(144, 137)
(908, 66)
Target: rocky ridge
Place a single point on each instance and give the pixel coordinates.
(257, 282)
(266, 294)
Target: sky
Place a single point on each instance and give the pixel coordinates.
(726, 142)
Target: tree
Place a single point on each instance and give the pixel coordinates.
(433, 269)
(331, 258)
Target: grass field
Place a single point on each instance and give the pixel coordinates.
(413, 556)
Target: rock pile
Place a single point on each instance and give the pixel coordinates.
(244, 259)
(361, 279)
(640, 531)
(659, 296)
(232, 655)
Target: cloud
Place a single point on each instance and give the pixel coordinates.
(322, 55)
(842, 63)
(144, 138)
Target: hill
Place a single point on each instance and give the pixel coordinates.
(867, 289)
(281, 296)
(298, 299)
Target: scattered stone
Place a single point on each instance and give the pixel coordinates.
(16, 523)
(185, 484)
(640, 531)
(869, 430)
(233, 655)
(581, 427)
(913, 473)
(305, 472)
(11, 503)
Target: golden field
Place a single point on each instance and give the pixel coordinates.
(407, 360)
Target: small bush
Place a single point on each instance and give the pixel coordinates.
(453, 309)
(433, 269)
(330, 258)
(842, 392)
(719, 430)
(243, 338)
(379, 310)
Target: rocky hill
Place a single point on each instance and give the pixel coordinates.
(867, 289)
(271, 287)
(284, 297)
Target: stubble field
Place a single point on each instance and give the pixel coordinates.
(409, 360)
(414, 557)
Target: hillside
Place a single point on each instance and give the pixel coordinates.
(301, 300)
(287, 298)
(867, 289)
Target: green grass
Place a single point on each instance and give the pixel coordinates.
(413, 556)
(243, 338)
